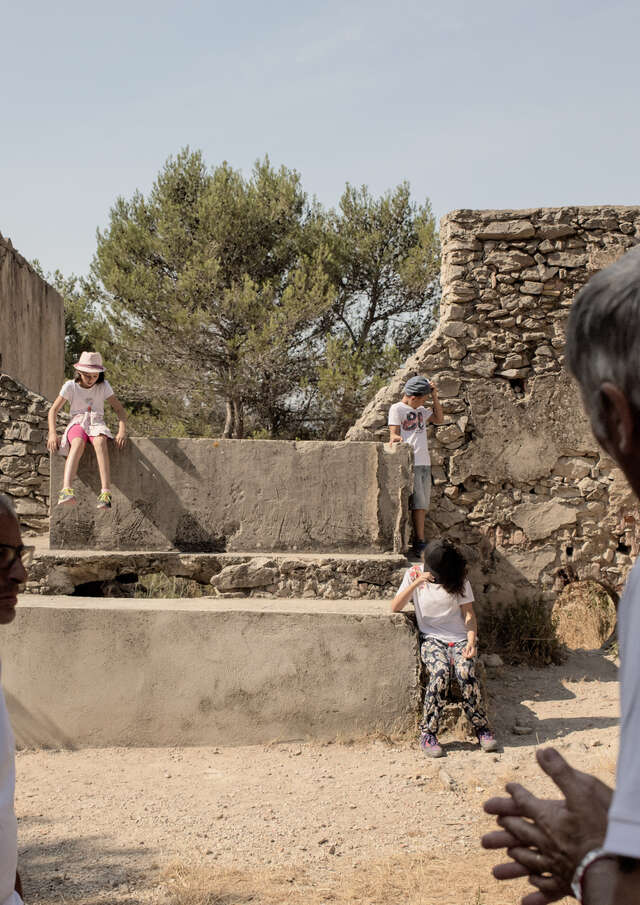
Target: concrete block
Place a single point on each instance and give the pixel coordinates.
(93, 672)
(240, 495)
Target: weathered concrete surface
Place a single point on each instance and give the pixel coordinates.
(308, 575)
(240, 495)
(31, 326)
(519, 480)
(91, 672)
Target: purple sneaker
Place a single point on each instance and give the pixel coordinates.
(487, 740)
(430, 746)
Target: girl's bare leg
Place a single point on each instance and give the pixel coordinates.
(102, 455)
(73, 460)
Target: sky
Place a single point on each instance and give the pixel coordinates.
(503, 104)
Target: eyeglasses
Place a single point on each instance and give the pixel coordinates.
(9, 554)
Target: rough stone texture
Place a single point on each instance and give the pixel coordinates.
(24, 460)
(31, 326)
(240, 496)
(90, 672)
(584, 615)
(519, 480)
(331, 577)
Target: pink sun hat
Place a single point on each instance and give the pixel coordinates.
(90, 363)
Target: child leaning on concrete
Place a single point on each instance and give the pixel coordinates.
(408, 421)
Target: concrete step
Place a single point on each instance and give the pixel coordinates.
(100, 672)
(307, 575)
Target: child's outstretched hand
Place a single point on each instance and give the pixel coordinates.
(53, 442)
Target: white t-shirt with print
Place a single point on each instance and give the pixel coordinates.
(438, 612)
(413, 429)
(83, 400)
(623, 827)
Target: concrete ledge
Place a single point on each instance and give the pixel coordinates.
(97, 672)
(203, 495)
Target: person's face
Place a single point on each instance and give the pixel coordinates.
(87, 380)
(12, 576)
(416, 401)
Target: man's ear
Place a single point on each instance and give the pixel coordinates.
(617, 420)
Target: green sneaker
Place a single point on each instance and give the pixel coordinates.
(66, 496)
(104, 500)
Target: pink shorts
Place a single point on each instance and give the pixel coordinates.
(78, 431)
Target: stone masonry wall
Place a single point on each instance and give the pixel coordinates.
(31, 325)
(519, 479)
(24, 460)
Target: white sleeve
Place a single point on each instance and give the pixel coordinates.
(467, 594)
(428, 413)
(395, 418)
(108, 390)
(67, 390)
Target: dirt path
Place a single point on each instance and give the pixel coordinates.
(102, 825)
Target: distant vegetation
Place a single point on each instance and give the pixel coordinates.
(235, 306)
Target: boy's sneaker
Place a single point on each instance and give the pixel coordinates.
(430, 746)
(104, 500)
(487, 740)
(418, 549)
(66, 496)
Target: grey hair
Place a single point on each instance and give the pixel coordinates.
(603, 333)
(6, 505)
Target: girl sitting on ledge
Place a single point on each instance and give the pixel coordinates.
(86, 396)
(443, 601)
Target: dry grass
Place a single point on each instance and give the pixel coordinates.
(401, 880)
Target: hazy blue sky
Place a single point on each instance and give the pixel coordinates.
(495, 104)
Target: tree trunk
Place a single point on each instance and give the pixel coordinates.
(238, 419)
(229, 419)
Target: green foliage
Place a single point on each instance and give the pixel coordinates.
(384, 262)
(523, 632)
(215, 285)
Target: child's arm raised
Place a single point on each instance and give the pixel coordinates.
(53, 441)
(403, 596)
(117, 406)
(438, 415)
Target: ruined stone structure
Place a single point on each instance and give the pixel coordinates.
(31, 325)
(24, 460)
(520, 481)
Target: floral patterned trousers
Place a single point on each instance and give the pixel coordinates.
(442, 660)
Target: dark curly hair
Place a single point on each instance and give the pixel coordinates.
(447, 565)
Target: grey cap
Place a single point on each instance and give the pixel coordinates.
(417, 386)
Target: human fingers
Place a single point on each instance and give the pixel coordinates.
(499, 839)
(569, 781)
(532, 861)
(502, 806)
(509, 871)
(540, 898)
(527, 833)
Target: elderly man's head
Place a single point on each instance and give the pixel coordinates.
(12, 570)
(603, 354)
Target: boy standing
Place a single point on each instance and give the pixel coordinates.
(408, 421)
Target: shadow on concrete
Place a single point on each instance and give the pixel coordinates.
(30, 729)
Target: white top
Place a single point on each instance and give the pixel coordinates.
(623, 830)
(413, 429)
(87, 410)
(8, 822)
(437, 611)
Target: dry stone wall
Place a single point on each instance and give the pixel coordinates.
(31, 325)
(519, 479)
(24, 460)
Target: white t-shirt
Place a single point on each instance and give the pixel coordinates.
(413, 429)
(8, 822)
(83, 400)
(623, 829)
(437, 611)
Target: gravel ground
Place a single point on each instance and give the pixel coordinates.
(102, 825)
